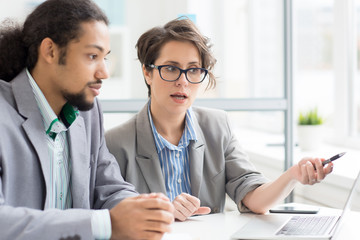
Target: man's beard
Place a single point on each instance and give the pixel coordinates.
(78, 100)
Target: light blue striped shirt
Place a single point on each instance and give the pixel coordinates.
(58, 153)
(174, 160)
(59, 188)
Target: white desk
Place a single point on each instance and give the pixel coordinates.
(221, 226)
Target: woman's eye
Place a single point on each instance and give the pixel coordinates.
(170, 69)
(194, 70)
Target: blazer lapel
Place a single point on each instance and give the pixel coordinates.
(33, 124)
(147, 156)
(196, 157)
(38, 140)
(80, 164)
(35, 131)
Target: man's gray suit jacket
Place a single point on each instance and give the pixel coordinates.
(217, 163)
(96, 182)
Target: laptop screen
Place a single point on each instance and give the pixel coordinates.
(352, 203)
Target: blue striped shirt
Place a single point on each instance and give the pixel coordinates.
(174, 160)
(59, 189)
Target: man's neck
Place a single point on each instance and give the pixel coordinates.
(53, 98)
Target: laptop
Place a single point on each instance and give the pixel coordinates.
(289, 226)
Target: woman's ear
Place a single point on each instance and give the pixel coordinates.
(147, 74)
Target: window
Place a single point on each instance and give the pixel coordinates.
(326, 65)
(249, 45)
(345, 124)
(250, 56)
(313, 33)
(357, 76)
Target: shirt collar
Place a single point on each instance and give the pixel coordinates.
(52, 123)
(189, 125)
(188, 134)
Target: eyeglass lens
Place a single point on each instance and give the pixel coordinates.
(171, 73)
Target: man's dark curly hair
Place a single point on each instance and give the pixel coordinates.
(59, 20)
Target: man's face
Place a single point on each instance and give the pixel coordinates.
(79, 79)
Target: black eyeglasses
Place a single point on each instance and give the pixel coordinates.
(171, 73)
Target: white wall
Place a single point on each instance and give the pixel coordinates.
(140, 16)
(16, 9)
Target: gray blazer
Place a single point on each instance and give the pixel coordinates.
(24, 170)
(217, 163)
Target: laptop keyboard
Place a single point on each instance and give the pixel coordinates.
(307, 225)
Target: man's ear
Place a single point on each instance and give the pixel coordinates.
(147, 74)
(48, 50)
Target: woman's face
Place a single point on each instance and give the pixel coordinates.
(173, 98)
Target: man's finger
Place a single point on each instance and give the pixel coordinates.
(157, 203)
(159, 216)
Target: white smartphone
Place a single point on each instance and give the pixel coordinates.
(305, 209)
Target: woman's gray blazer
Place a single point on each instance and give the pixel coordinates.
(217, 163)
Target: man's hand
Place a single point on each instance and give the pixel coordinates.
(187, 205)
(147, 216)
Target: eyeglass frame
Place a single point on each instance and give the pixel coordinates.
(158, 67)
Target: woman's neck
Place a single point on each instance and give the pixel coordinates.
(169, 126)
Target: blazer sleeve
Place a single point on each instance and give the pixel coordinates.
(225, 159)
(109, 185)
(23, 223)
(241, 175)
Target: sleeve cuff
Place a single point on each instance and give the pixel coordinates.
(101, 224)
(242, 208)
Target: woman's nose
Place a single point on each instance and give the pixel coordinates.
(182, 80)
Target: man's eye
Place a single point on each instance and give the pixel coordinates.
(93, 56)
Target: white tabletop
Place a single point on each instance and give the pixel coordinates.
(221, 226)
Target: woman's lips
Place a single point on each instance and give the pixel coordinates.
(179, 97)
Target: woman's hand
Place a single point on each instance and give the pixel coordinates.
(187, 205)
(310, 170)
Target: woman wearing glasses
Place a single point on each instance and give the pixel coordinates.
(191, 153)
